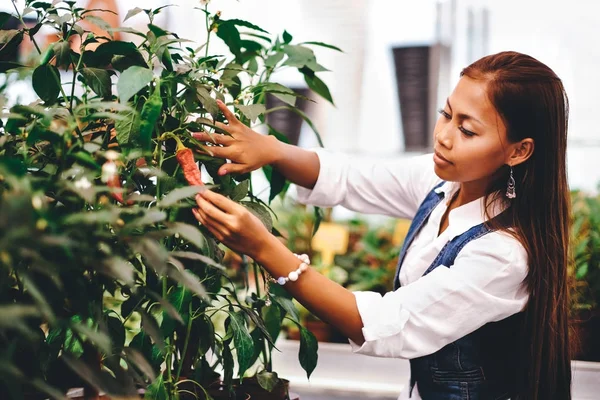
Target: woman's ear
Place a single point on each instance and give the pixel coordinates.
(521, 151)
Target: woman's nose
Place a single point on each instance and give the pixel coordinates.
(444, 136)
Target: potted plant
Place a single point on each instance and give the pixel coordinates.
(584, 272)
(108, 282)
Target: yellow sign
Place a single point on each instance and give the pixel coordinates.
(400, 231)
(330, 239)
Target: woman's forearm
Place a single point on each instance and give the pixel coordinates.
(298, 165)
(326, 299)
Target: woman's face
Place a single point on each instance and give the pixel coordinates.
(470, 136)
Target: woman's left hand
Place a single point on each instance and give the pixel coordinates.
(231, 223)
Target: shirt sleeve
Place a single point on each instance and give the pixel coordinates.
(394, 187)
(485, 284)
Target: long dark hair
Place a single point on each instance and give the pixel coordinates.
(532, 103)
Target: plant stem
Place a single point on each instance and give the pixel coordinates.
(23, 22)
(207, 30)
(75, 70)
(185, 344)
(255, 267)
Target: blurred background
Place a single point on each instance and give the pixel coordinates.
(400, 61)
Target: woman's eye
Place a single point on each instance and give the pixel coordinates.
(444, 113)
(466, 132)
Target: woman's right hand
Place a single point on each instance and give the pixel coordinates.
(247, 149)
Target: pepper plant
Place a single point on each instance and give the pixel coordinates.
(107, 280)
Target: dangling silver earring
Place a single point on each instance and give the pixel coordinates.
(510, 187)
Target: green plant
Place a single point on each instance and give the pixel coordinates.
(585, 244)
(117, 294)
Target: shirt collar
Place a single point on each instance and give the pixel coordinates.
(463, 218)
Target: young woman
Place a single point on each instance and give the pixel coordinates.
(480, 305)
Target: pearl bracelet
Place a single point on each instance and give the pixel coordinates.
(294, 275)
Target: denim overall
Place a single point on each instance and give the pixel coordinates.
(477, 366)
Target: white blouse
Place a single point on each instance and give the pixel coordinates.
(485, 284)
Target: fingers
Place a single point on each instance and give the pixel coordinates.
(224, 205)
(213, 138)
(213, 210)
(216, 151)
(227, 113)
(213, 226)
(232, 168)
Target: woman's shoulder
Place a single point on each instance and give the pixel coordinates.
(500, 247)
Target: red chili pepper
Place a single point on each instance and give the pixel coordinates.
(110, 175)
(115, 183)
(191, 172)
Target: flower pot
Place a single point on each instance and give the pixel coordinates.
(250, 389)
(585, 332)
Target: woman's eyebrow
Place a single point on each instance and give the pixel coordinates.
(464, 116)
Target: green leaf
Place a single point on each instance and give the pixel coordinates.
(120, 269)
(228, 364)
(132, 80)
(188, 280)
(4, 17)
(319, 216)
(132, 12)
(245, 24)
(150, 326)
(267, 380)
(259, 324)
(207, 101)
(62, 51)
(45, 83)
(289, 307)
(287, 38)
(329, 46)
(242, 340)
(261, 212)
(12, 316)
(180, 298)
(94, 378)
(158, 31)
(304, 117)
(157, 390)
(308, 354)
(7, 66)
(143, 344)
(299, 56)
(272, 60)
(149, 117)
(98, 80)
(128, 127)
(273, 318)
(283, 93)
(316, 84)
(11, 35)
(582, 271)
(175, 195)
(189, 232)
(277, 181)
(133, 356)
(150, 217)
(100, 339)
(116, 330)
(198, 257)
(99, 22)
(231, 36)
(252, 111)
(240, 191)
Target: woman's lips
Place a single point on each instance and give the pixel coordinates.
(440, 160)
